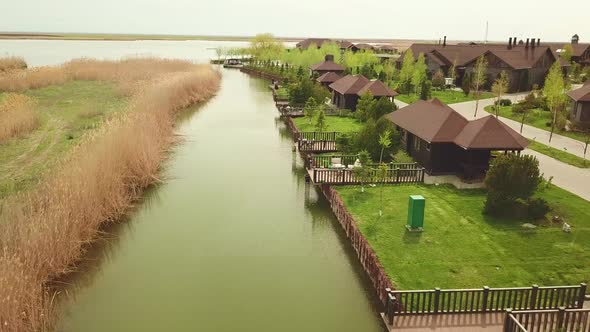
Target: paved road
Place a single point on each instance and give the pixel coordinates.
(573, 179)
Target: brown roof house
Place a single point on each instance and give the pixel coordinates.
(446, 143)
(526, 65)
(347, 90)
(326, 66)
(581, 51)
(365, 46)
(580, 112)
(306, 43)
(328, 78)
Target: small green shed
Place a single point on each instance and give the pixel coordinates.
(416, 213)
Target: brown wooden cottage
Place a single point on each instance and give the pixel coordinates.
(580, 113)
(526, 65)
(328, 78)
(580, 51)
(444, 142)
(347, 90)
(326, 66)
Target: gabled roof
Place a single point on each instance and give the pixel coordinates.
(377, 89)
(430, 120)
(436, 122)
(327, 65)
(577, 49)
(490, 133)
(581, 94)
(364, 46)
(345, 44)
(306, 43)
(329, 77)
(349, 84)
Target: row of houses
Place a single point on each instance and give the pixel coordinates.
(347, 89)
(345, 45)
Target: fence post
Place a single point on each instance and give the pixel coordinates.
(436, 299)
(508, 321)
(484, 301)
(534, 293)
(560, 316)
(582, 295)
(315, 180)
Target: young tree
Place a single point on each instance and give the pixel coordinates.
(453, 72)
(499, 88)
(567, 53)
(265, 46)
(478, 79)
(310, 109)
(419, 74)
(438, 80)
(384, 142)
(368, 138)
(554, 92)
(426, 90)
(466, 84)
(381, 107)
(363, 172)
(365, 106)
(407, 71)
(320, 121)
(382, 170)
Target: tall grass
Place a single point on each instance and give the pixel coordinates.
(43, 233)
(12, 63)
(17, 116)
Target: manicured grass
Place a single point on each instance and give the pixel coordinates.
(446, 96)
(67, 113)
(341, 124)
(560, 155)
(537, 118)
(282, 93)
(461, 247)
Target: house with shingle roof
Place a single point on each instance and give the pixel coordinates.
(347, 90)
(444, 142)
(328, 78)
(306, 43)
(526, 65)
(326, 66)
(580, 111)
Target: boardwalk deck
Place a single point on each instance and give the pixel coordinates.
(489, 322)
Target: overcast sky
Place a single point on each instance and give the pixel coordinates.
(399, 19)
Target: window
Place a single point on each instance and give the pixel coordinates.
(427, 146)
(417, 142)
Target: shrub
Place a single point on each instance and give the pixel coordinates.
(368, 139)
(504, 102)
(538, 208)
(466, 84)
(12, 63)
(511, 177)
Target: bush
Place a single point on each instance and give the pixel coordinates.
(368, 139)
(510, 178)
(538, 208)
(504, 102)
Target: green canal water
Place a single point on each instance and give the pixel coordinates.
(233, 240)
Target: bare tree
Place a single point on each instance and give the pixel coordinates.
(499, 88)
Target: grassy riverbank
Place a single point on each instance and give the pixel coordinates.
(66, 114)
(43, 231)
(462, 248)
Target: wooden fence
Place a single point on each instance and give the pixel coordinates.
(561, 319)
(348, 176)
(325, 161)
(365, 253)
(482, 300)
(261, 74)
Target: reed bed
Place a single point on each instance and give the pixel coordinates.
(17, 116)
(12, 63)
(43, 234)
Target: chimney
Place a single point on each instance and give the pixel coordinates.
(329, 57)
(533, 42)
(445, 41)
(538, 42)
(527, 43)
(514, 41)
(510, 43)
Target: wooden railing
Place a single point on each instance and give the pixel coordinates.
(318, 135)
(347, 176)
(417, 302)
(561, 319)
(325, 161)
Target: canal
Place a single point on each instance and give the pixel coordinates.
(233, 239)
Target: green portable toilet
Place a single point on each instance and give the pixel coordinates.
(416, 213)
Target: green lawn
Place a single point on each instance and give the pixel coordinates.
(560, 155)
(282, 93)
(446, 96)
(341, 124)
(537, 118)
(460, 247)
(67, 113)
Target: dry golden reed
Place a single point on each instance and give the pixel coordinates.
(43, 233)
(12, 63)
(17, 116)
